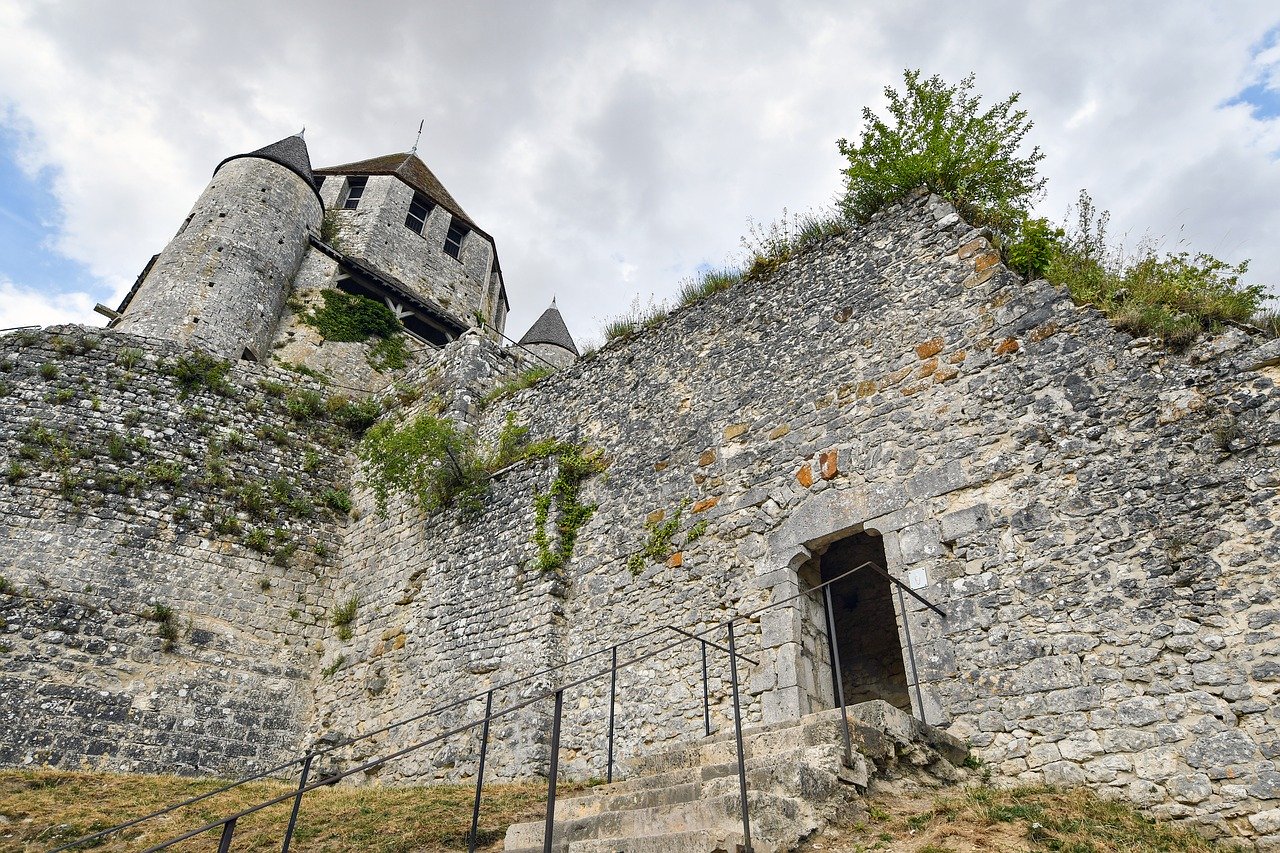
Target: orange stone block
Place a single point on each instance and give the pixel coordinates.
(929, 367)
(945, 374)
(957, 357)
(733, 431)
(866, 388)
(914, 388)
(656, 516)
(1007, 346)
(398, 642)
(662, 466)
(707, 457)
(985, 262)
(805, 475)
(675, 560)
(778, 432)
(1040, 333)
(704, 505)
(929, 348)
(827, 463)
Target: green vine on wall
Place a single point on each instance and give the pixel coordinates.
(574, 466)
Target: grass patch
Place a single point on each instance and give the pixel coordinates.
(1172, 297)
(343, 615)
(196, 371)
(528, 379)
(1035, 818)
(48, 808)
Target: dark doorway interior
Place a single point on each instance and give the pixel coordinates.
(866, 625)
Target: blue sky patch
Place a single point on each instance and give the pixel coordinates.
(1263, 94)
(29, 221)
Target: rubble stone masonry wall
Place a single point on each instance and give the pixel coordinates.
(1096, 517)
(166, 552)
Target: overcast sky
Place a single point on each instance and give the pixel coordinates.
(611, 148)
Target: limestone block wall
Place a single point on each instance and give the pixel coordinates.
(222, 280)
(1097, 517)
(375, 231)
(167, 544)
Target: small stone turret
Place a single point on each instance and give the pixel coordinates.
(549, 339)
(223, 279)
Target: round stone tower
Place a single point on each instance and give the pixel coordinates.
(222, 281)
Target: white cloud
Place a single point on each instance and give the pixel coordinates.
(578, 133)
(24, 306)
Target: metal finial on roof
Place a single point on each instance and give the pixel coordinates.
(302, 134)
(414, 149)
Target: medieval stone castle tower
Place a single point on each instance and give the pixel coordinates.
(197, 579)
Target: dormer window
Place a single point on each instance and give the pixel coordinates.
(352, 193)
(419, 210)
(453, 240)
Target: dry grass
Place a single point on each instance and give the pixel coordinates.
(46, 808)
(1012, 820)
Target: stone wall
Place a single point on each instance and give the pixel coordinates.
(167, 544)
(375, 231)
(1097, 517)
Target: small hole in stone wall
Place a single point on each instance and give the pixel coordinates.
(211, 284)
(195, 320)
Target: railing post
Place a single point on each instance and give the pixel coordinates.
(706, 696)
(613, 693)
(835, 665)
(297, 803)
(228, 830)
(737, 731)
(484, 748)
(551, 774)
(911, 652)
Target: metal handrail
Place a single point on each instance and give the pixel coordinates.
(228, 823)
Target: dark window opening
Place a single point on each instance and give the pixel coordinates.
(353, 193)
(419, 210)
(453, 240)
(248, 355)
(871, 664)
(319, 181)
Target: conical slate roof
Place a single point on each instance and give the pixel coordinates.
(290, 152)
(550, 329)
(409, 168)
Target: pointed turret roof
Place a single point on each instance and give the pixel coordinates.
(290, 152)
(409, 168)
(550, 329)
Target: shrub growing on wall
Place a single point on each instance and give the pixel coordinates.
(351, 317)
(938, 136)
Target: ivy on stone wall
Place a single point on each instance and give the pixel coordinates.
(352, 318)
(574, 466)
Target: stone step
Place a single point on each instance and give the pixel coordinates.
(780, 773)
(699, 841)
(773, 815)
(721, 748)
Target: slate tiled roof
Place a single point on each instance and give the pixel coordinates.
(550, 329)
(290, 152)
(410, 169)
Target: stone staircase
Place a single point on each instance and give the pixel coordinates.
(686, 800)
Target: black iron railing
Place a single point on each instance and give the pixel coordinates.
(226, 826)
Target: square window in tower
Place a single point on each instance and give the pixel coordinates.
(352, 192)
(419, 210)
(453, 240)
